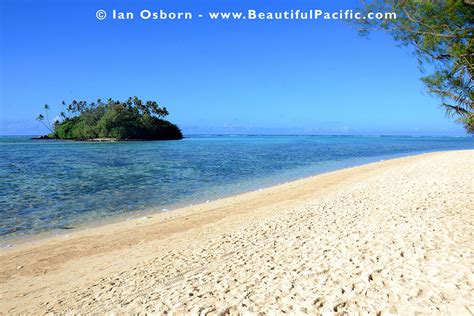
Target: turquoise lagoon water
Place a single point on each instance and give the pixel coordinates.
(51, 186)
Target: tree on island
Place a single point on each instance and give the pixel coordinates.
(45, 120)
(441, 32)
(129, 120)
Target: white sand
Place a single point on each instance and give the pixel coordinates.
(390, 237)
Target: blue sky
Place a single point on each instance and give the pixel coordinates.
(297, 77)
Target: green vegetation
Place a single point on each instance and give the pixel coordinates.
(441, 31)
(129, 120)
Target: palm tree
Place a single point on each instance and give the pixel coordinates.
(41, 119)
(46, 109)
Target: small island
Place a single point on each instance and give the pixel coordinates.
(110, 121)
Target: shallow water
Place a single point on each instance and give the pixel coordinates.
(55, 185)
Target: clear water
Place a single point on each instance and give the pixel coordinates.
(49, 186)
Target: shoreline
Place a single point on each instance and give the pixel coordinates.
(33, 240)
(13, 241)
(102, 140)
(54, 274)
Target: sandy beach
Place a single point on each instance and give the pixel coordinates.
(394, 237)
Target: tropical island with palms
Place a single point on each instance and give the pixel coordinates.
(133, 119)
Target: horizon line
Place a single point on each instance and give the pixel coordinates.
(294, 135)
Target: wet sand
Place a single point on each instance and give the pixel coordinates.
(394, 236)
